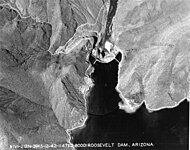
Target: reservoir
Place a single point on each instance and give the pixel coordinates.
(108, 127)
(106, 124)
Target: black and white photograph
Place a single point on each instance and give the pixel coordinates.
(94, 74)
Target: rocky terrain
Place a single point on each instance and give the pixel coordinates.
(154, 38)
(41, 92)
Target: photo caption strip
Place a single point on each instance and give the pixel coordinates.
(84, 145)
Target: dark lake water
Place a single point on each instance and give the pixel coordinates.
(103, 97)
(166, 129)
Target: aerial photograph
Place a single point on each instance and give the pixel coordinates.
(94, 74)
